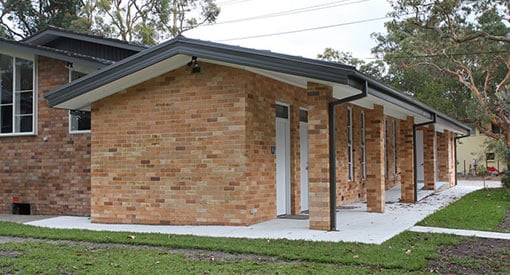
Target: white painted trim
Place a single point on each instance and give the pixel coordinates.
(363, 142)
(350, 145)
(15, 93)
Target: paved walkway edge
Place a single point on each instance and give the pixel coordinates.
(461, 232)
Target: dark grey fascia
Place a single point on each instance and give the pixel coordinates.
(51, 33)
(391, 95)
(208, 50)
(56, 54)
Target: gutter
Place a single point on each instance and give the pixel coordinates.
(433, 121)
(332, 150)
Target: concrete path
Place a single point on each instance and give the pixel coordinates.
(354, 224)
(460, 232)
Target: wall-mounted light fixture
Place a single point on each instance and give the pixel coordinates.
(195, 67)
(69, 65)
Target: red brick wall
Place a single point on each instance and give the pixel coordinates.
(391, 177)
(445, 157)
(198, 152)
(262, 95)
(375, 160)
(53, 175)
(318, 147)
(406, 159)
(354, 190)
(429, 156)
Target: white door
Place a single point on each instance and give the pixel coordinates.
(282, 160)
(420, 176)
(303, 137)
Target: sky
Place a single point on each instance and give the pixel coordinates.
(349, 33)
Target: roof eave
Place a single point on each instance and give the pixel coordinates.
(228, 54)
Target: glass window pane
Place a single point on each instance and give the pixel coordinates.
(80, 120)
(23, 124)
(303, 115)
(6, 79)
(6, 119)
(24, 75)
(282, 111)
(24, 103)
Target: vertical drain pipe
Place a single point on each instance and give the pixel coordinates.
(332, 150)
(414, 153)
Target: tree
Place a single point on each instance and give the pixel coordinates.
(131, 20)
(424, 84)
(375, 69)
(22, 18)
(465, 41)
(148, 21)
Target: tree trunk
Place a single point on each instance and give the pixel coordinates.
(507, 153)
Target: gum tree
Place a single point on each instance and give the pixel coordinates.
(465, 41)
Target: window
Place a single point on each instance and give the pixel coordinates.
(17, 104)
(303, 115)
(79, 121)
(363, 148)
(349, 144)
(490, 156)
(282, 111)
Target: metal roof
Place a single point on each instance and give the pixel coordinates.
(51, 33)
(256, 60)
(55, 53)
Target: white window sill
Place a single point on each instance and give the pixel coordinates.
(79, 132)
(17, 135)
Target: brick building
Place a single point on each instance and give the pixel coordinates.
(195, 132)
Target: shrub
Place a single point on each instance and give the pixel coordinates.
(482, 171)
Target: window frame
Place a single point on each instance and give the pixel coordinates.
(14, 91)
(363, 147)
(71, 131)
(395, 152)
(350, 155)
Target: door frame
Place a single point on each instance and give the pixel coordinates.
(420, 158)
(286, 193)
(304, 151)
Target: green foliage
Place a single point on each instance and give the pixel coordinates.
(131, 20)
(19, 19)
(149, 21)
(482, 171)
(505, 180)
(481, 210)
(453, 55)
(375, 69)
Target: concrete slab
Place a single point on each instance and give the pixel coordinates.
(23, 218)
(354, 224)
(460, 232)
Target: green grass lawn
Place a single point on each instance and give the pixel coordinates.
(481, 210)
(138, 253)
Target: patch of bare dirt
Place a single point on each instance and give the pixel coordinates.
(506, 223)
(192, 254)
(475, 256)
